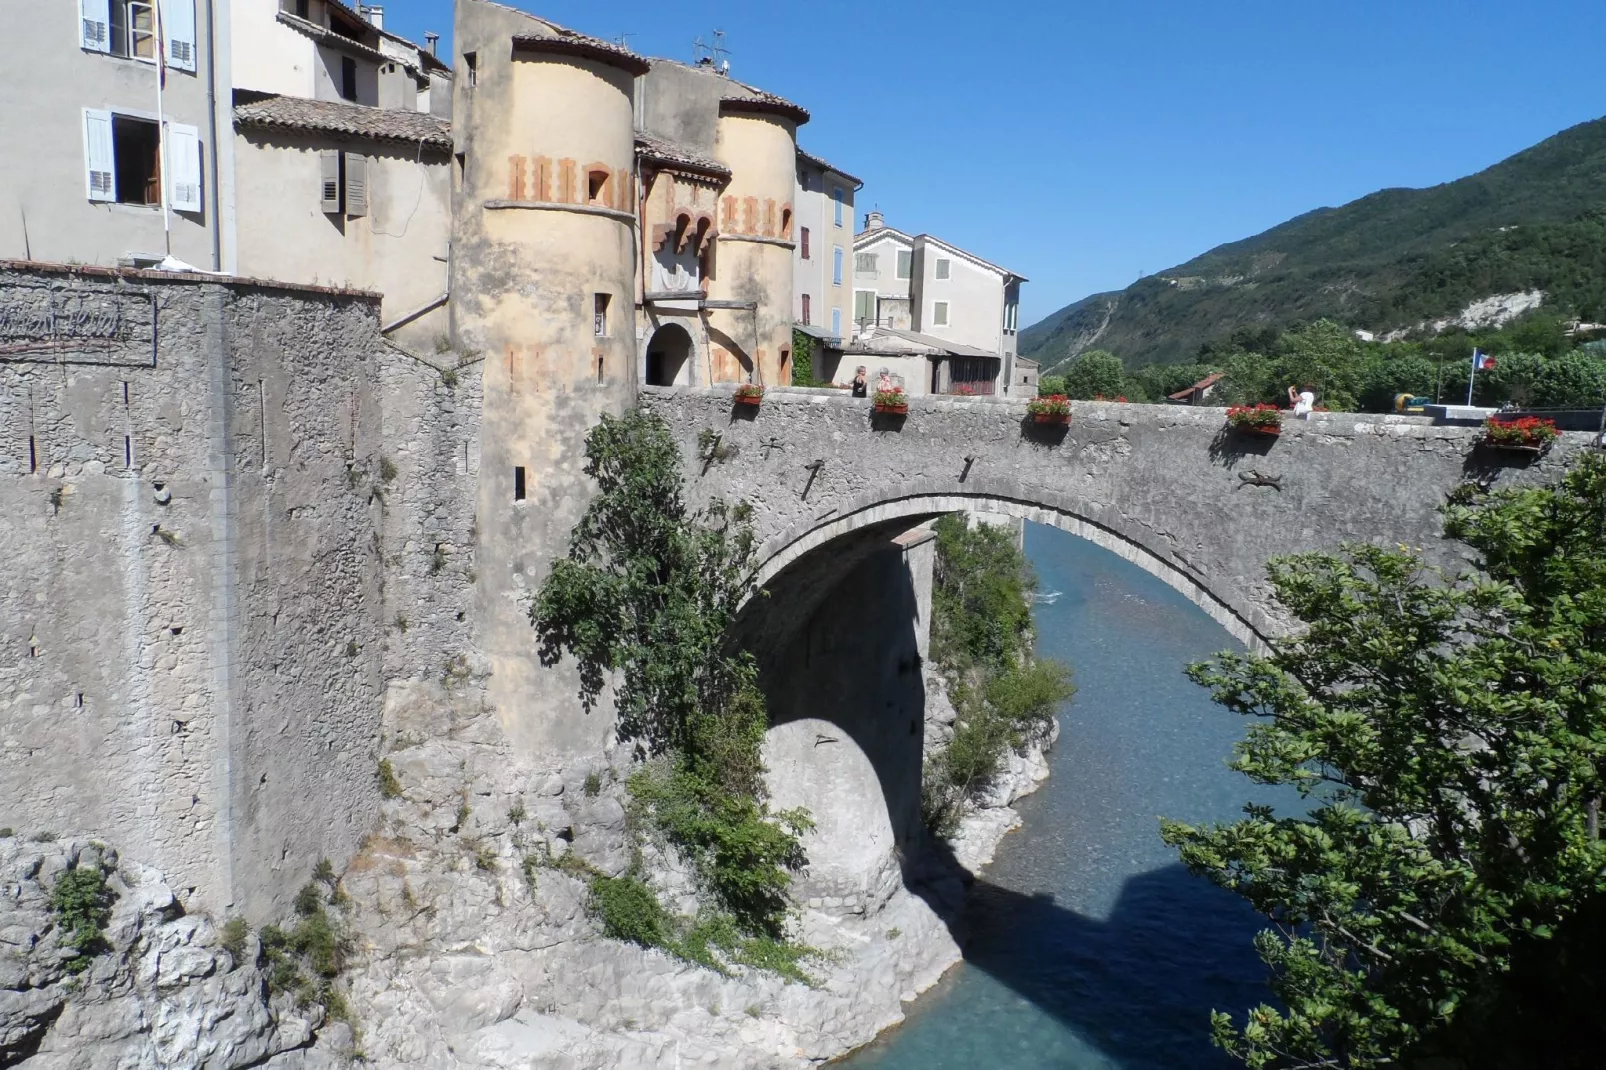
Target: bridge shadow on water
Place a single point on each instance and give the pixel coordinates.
(1137, 985)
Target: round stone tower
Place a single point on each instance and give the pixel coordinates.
(543, 289)
(750, 290)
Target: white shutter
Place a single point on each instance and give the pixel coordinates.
(178, 26)
(95, 25)
(329, 179)
(356, 185)
(100, 161)
(183, 168)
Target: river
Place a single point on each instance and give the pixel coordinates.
(1090, 948)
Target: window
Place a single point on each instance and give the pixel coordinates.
(806, 320)
(599, 314)
(1011, 317)
(939, 315)
(864, 265)
(128, 28)
(804, 241)
(836, 322)
(837, 200)
(471, 60)
(304, 8)
(518, 483)
(348, 79)
(597, 182)
(343, 185)
(864, 306)
(905, 263)
(836, 266)
(945, 267)
(786, 224)
(133, 29)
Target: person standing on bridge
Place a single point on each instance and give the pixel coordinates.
(861, 386)
(1303, 401)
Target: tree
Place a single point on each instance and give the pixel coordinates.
(1324, 355)
(1450, 734)
(1095, 373)
(647, 595)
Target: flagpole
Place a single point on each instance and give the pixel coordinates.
(1473, 377)
(161, 128)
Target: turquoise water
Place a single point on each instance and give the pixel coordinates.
(1089, 946)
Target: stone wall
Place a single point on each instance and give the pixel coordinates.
(1164, 486)
(202, 519)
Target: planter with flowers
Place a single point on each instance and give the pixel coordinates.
(1524, 434)
(1256, 419)
(892, 402)
(749, 394)
(1049, 409)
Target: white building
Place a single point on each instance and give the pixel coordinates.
(822, 256)
(922, 285)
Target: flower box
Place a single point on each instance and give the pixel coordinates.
(1526, 434)
(1049, 409)
(1256, 419)
(895, 402)
(749, 394)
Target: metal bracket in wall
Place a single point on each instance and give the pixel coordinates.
(969, 460)
(771, 445)
(814, 467)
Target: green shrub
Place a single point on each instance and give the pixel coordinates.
(593, 785)
(629, 911)
(389, 786)
(235, 933)
(1050, 384)
(82, 905)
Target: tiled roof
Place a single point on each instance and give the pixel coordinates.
(353, 120)
(567, 42)
(1203, 384)
(826, 166)
(766, 102)
(661, 151)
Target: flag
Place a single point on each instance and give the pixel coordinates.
(1481, 361)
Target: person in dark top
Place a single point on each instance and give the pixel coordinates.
(861, 388)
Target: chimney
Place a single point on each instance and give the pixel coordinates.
(431, 40)
(874, 221)
(375, 16)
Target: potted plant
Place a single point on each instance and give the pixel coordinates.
(1527, 434)
(893, 401)
(1050, 409)
(1256, 419)
(749, 394)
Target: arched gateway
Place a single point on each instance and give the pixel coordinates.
(838, 496)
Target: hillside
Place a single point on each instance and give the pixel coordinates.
(1390, 260)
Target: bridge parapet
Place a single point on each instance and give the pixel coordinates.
(1167, 487)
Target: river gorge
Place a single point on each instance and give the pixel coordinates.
(1089, 947)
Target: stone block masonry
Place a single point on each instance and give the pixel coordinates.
(223, 501)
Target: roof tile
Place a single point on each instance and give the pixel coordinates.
(353, 120)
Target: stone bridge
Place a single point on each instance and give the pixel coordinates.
(838, 494)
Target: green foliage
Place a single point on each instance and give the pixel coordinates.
(1449, 733)
(803, 359)
(1050, 384)
(235, 933)
(82, 904)
(593, 785)
(307, 959)
(387, 470)
(389, 785)
(982, 642)
(629, 911)
(1393, 259)
(647, 594)
(1096, 373)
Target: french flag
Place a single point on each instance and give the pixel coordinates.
(1481, 361)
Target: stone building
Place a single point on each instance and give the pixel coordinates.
(954, 299)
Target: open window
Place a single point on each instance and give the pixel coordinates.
(123, 161)
(599, 186)
(599, 314)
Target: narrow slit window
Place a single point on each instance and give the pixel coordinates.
(348, 78)
(599, 369)
(33, 455)
(128, 451)
(518, 483)
(471, 60)
(599, 309)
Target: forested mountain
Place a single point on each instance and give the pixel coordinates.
(1394, 259)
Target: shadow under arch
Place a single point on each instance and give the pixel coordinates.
(874, 517)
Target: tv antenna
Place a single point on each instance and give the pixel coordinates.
(712, 54)
(623, 40)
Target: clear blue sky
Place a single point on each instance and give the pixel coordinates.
(1083, 144)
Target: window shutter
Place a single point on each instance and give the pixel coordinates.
(95, 24)
(178, 26)
(356, 185)
(329, 166)
(100, 162)
(184, 167)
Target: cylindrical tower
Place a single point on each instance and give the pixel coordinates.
(750, 290)
(543, 256)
